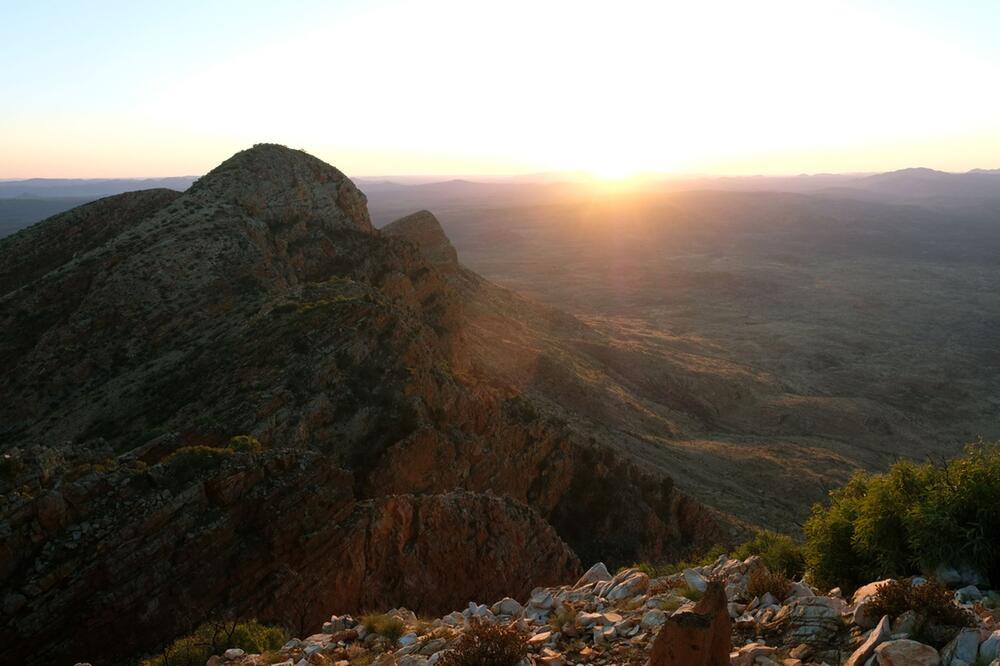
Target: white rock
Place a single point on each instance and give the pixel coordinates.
(635, 583)
(866, 591)
(653, 619)
(408, 639)
(695, 580)
(541, 598)
(968, 593)
(595, 574)
(508, 606)
(878, 635)
(540, 638)
(800, 589)
(233, 653)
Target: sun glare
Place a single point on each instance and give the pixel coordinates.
(615, 173)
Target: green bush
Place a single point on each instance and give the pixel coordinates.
(245, 444)
(485, 644)
(778, 552)
(214, 638)
(387, 626)
(913, 517)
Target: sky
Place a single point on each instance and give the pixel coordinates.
(466, 87)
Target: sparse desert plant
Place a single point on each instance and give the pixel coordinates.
(214, 637)
(779, 552)
(670, 604)
(564, 615)
(691, 593)
(763, 581)
(245, 444)
(661, 569)
(387, 626)
(930, 598)
(933, 602)
(486, 644)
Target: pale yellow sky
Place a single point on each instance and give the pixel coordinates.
(460, 87)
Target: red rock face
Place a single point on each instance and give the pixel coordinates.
(277, 536)
(436, 553)
(700, 637)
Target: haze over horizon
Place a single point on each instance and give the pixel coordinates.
(445, 88)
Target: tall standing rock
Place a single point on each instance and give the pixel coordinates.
(699, 637)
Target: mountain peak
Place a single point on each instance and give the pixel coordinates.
(423, 230)
(279, 184)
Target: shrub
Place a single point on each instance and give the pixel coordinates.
(778, 552)
(387, 626)
(662, 569)
(213, 638)
(485, 644)
(763, 580)
(245, 444)
(913, 517)
(932, 601)
(185, 463)
(565, 615)
(691, 593)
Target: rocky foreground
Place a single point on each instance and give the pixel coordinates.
(630, 618)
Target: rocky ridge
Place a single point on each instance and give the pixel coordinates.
(261, 303)
(605, 619)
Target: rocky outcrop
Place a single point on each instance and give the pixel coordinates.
(424, 230)
(696, 637)
(276, 535)
(634, 619)
(433, 553)
(285, 187)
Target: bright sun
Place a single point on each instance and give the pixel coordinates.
(612, 173)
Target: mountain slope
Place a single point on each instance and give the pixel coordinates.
(261, 302)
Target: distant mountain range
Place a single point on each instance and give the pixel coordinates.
(912, 182)
(36, 188)
(23, 202)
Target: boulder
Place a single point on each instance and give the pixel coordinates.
(810, 620)
(695, 580)
(653, 619)
(968, 593)
(905, 652)
(878, 635)
(748, 655)
(964, 647)
(627, 584)
(508, 606)
(907, 624)
(866, 591)
(990, 648)
(696, 637)
(595, 574)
